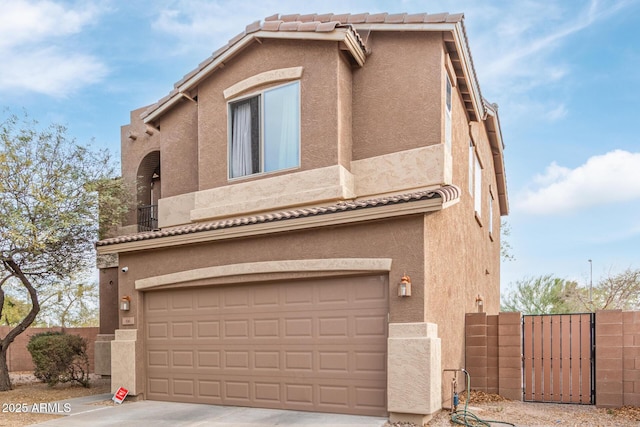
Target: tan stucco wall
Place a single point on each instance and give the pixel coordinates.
(345, 112)
(108, 284)
(471, 265)
(179, 147)
(397, 101)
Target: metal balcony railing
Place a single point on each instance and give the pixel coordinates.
(148, 218)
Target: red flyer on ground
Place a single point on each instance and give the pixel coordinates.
(120, 395)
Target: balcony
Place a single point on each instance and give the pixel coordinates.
(148, 218)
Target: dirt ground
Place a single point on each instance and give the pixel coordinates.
(27, 391)
(524, 414)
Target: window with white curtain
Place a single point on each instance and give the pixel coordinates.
(265, 131)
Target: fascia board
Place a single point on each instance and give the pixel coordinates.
(465, 56)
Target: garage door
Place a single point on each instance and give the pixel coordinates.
(313, 345)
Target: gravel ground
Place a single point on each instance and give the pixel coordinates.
(526, 414)
(27, 391)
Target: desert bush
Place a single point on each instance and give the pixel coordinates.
(59, 358)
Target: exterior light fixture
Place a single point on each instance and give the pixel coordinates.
(125, 303)
(480, 303)
(404, 287)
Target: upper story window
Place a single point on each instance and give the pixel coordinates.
(477, 194)
(265, 131)
(490, 212)
(472, 156)
(447, 113)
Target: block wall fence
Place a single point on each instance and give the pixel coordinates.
(19, 358)
(494, 356)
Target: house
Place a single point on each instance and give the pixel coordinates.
(317, 205)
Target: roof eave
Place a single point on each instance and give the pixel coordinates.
(497, 150)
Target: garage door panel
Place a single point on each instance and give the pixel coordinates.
(207, 329)
(182, 330)
(158, 387)
(316, 345)
(157, 330)
(208, 359)
(210, 389)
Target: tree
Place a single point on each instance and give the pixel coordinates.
(505, 247)
(13, 311)
(48, 213)
(542, 295)
(72, 302)
(619, 291)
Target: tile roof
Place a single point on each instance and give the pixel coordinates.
(314, 23)
(447, 193)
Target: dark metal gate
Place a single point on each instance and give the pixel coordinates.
(559, 358)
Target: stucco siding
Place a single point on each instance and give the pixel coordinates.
(396, 97)
(179, 149)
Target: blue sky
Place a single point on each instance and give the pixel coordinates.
(563, 72)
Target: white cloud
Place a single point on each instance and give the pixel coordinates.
(34, 52)
(609, 178)
(28, 21)
(51, 72)
(198, 23)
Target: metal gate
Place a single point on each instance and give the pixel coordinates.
(559, 358)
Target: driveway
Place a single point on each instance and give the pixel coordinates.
(91, 411)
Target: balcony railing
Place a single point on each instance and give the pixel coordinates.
(148, 218)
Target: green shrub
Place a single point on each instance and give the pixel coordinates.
(59, 358)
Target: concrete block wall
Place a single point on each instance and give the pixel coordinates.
(617, 358)
(494, 353)
(19, 358)
(630, 358)
(510, 355)
(476, 343)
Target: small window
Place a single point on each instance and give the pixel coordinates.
(477, 194)
(490, 213)
(447, 114)
(472, 155)
(265, 132)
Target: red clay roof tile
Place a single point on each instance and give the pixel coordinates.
(446, 193)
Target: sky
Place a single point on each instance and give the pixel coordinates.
(564, 74)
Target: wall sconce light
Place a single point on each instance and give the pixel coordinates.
(480, 303)
(125, 303)
(404, 287)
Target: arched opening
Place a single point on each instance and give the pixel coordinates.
(149, 191)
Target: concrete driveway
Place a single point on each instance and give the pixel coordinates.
(86, 411)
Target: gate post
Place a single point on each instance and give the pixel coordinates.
(510, 355)
(609, 357)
